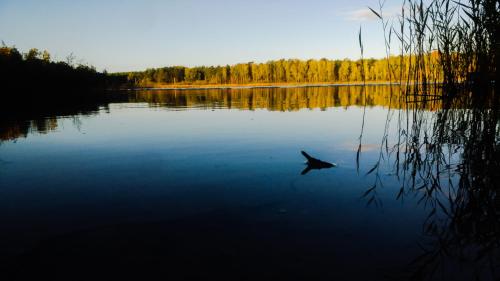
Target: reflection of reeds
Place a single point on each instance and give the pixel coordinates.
(449, 159)
(464, 218)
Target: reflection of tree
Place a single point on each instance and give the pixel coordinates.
(19, 121)
(280, 99)
(14, 129)
(450, 159)
(43, 119)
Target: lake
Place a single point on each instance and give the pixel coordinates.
(187, 184)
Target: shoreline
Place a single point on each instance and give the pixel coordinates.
(254, 86)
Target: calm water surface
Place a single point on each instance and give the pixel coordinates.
(208, 182)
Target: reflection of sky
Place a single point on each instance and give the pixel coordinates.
(144, 128)
(134, 148)
(137, 163)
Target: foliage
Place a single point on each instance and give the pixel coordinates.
(448, 158)
(456, 41)
(279, 71)
(34, 72)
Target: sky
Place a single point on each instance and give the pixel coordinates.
(134, 35)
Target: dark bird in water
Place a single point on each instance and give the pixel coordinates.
(315, 164)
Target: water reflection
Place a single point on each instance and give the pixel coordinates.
(19, 120)
(438, 155)
(277, 99)
(449, 159)
(43, 119)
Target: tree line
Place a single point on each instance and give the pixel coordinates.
(281, 71)
(35, 72)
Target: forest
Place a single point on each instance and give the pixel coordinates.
(283, 71)
(35, 72)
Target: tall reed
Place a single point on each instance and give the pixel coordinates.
(450, 43)
(448, 158)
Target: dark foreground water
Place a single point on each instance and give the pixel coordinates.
(210, 184)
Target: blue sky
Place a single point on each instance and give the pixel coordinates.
(134, 35)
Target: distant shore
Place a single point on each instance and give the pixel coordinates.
(257, 85)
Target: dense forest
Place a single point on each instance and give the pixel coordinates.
(35, 71)
(282, 71)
